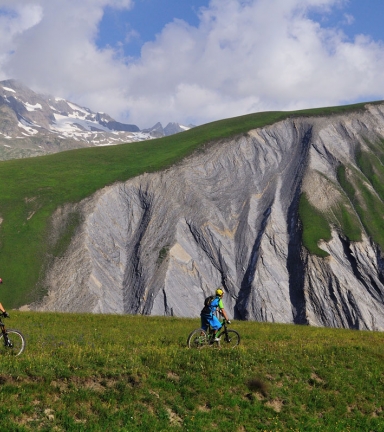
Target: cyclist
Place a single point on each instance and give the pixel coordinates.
(207, 315)
(2, 310)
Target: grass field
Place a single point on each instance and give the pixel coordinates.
(31, 189)
(134, 373)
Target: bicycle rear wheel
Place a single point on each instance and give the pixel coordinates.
(15, 344)
(198, 339)
(229, 339)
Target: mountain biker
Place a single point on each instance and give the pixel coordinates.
(2, 310)
(207, 315)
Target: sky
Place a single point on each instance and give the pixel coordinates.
(195, 61)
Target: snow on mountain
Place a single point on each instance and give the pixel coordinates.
(32, 124)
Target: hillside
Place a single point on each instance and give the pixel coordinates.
(98, 372)
(236, 205)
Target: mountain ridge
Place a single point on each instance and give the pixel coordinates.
(32, 124)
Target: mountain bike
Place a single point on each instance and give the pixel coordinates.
(226, 338)
(12, 342)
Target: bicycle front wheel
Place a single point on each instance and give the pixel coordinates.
(229, 339)
(198, 339)
(15, 344)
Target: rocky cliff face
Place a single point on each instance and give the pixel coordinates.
(160, 243)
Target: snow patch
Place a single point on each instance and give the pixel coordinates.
(27, 127)
(9, 89)
(77, 108)
(32, 107)
(66, 126)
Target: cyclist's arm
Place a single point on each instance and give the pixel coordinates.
(2, 308)
(222, 311)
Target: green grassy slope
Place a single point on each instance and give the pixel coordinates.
(97, 373)
(315, 227)
(363, 205)
(31, 189)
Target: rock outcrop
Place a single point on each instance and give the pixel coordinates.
(160, 243)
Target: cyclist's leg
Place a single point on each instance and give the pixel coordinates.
(215, 324)
(204, 322)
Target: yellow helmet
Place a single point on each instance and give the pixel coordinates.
(219, 292)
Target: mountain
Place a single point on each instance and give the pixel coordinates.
(157, 131)
(287, 217)
(33, 125)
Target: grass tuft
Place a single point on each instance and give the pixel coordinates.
(258, 385)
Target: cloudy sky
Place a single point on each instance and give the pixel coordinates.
(195, 61)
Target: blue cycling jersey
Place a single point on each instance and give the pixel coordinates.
(217, 302)
(210, 320)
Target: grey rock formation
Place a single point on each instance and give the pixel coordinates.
(174, 128)
(157, 131)
(159, 243)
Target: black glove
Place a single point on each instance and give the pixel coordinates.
(229, 322)
(5, 314)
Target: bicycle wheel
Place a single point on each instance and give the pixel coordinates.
(197, 339)
(229, 339)
(15, 345)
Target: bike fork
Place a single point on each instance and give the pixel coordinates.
(7, 342)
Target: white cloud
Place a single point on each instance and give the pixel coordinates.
(349, 19)
(245, 56)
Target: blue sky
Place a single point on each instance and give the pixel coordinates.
(145, 19)
(195, 61)
(356, 17)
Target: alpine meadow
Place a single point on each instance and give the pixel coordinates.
(313, 362)
(90, 372)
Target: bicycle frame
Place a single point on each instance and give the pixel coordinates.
(222, 330)
(3, 329)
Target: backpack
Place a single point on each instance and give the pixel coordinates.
(207, 303)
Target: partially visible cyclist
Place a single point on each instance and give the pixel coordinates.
(2, 310)
(208, 317)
